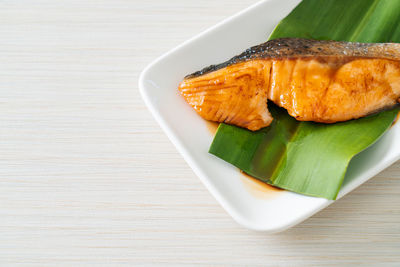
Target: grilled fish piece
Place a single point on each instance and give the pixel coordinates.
(321, 81)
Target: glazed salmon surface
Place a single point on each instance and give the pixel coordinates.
(235, 95)
(331, 87)
(322, 92)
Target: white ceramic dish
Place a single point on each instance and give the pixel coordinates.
(265, 211)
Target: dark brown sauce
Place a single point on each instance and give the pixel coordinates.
(212, 126)
(259, 189)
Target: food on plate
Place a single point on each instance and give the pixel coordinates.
(314, 80)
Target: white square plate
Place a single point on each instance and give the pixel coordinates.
(265, 211)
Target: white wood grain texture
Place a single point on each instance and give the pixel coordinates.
(88, 178)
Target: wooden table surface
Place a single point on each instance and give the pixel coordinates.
(88, 177)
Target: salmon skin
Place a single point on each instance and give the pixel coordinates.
(321, 81)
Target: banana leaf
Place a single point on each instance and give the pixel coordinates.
(306, 157)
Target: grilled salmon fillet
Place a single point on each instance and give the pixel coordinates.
(321, 81)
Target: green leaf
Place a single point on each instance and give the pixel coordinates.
(307, 157)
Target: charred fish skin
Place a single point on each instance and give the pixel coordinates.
(289, 48)
(321, 81)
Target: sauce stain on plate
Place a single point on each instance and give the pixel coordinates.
(212, 126)
(259, 189)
